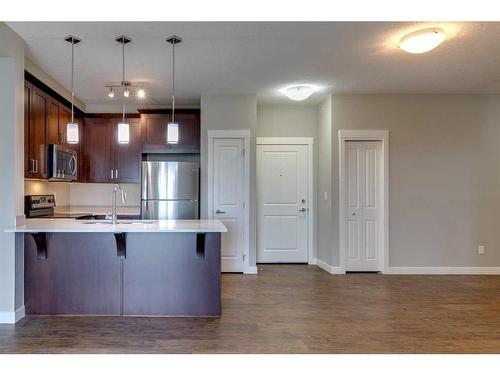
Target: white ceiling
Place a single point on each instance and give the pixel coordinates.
(261, 58)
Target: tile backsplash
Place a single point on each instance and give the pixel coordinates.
(77, 194)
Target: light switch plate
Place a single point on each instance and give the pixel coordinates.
(480, 250)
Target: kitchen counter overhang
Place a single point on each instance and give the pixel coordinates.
(150, 268)
(123, 226)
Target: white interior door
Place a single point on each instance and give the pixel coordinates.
(282, 234)
(363, 205)
(228, 199)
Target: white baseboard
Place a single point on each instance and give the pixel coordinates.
(251, 270)
(11, 317)
(336, 270)
(442, 271)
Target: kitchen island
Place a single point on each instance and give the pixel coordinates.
(132, 268)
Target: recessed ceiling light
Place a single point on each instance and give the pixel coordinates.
(299, 92)
(422, 41)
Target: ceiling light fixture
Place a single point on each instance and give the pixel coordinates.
(173, 127)
(111, 92)
(123, 127)
(422, 41)
(72, 135)
(299, 92)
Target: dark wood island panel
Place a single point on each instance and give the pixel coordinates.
(81, 275)
(162, 274)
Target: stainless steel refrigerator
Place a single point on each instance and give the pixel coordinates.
(170, 190)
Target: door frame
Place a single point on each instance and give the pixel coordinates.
(381, 136)
(309, 142)
(233, 134)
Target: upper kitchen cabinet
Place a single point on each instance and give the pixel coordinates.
(128, 156)
(154, 131)
(36, 106)
(106, 159)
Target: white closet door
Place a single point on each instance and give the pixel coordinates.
(228, 199)
(362, 221)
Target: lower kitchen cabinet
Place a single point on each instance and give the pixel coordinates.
(106, 160)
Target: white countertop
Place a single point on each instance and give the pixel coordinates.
(136, 226)
(98, 210)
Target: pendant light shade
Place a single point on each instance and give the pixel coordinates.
(123, 126)
(123, 133)
(72, 135)
(173, 133)
(172, 126)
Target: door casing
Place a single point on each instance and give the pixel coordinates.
(346, 135)
(309, 141)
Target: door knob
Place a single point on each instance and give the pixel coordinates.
(303, 210)
(220, 212)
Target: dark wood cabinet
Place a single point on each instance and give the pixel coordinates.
(27, 118)
(128, 156)
(154, 132)
(53, 123)
(37, 150)
(106, 159)
(99, 149)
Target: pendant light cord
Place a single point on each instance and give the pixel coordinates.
(72, 79)
(123, 77)
(173, 81)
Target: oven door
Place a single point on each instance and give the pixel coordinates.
(63, 164)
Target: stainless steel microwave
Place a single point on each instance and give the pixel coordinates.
(62, 164)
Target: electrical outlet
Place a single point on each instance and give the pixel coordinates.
(480, 250)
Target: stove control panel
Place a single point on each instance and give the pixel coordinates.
(33, 202)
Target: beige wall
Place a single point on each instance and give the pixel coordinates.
(444, 165)
(287, 121)
(324, 212)
(11, 165)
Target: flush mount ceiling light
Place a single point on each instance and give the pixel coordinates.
(299, 92)
(173, 127)
(422, 41)
(72, 135)
(123, 127)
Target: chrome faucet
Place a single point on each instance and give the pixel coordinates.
(114, 216)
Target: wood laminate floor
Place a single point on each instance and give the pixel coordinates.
(295, 309)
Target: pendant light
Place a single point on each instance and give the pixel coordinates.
(172, 126)
(72, 136)
(123, 127)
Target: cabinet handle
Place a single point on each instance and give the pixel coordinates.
(116, 174)
(111, 174)
(36, 165)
